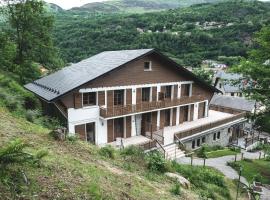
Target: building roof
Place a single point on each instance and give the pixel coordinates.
(233, 102)
(228, 76)
(69, 78)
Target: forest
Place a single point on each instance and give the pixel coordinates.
(188, 35)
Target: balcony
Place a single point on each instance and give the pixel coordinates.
(147, 106)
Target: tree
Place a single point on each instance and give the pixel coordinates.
(256, 69)
(204, 75)
(7, 52)
(31, 27)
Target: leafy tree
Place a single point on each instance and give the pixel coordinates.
(31, 27)
(205, 75)
(256, 69)
(7, 52)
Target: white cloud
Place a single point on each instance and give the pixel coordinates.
(67, 4)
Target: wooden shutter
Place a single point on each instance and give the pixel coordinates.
(80, 130)
(138, 95)
(175, 90)
(77, 100)
(128, 126)
(154, 93)
(174, 117)
(110, 98)
(129, 96)
(110, 130)
(101, 98)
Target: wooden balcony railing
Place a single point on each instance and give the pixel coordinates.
(189, 132)
(147, 106)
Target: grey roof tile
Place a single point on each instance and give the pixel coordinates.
(82, 72)
(233, 102)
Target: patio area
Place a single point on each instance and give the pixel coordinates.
(213, 117)
(135, 140)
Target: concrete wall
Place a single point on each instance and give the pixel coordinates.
(223, 141)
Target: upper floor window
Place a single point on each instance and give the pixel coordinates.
(147, 66)
(118, 97)
(168, 92)
(89, 99)
(146, 94)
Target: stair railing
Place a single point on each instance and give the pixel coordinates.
(181, 145)
(159, 146)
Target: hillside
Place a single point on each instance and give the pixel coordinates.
(137, 6)
(187, 35)
(74, 169)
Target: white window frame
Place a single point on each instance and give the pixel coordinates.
(150, 66)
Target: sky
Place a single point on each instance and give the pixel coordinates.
(67, 4)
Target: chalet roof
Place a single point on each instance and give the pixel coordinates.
(228, 76)
(69, 78)
(238, 103)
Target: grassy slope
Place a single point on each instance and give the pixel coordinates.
(220, 153)
(254, 167)
(76, 171)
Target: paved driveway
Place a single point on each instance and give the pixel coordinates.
(221, 164)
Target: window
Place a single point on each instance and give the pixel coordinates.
(215, 136)
(90, 132)
(203, 139)
(220, 85)
(193, 144)
(146, 94)
(168, 92)
(118, 97)
(229, 130)
(147, 66)
(218, 135)
(89, 99)
(232, 94)
(198, 142)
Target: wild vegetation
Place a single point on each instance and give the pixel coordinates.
(80, 170)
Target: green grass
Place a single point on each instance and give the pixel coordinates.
(220, 153)
(252, 168)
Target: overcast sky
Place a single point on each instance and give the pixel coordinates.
(66, 4)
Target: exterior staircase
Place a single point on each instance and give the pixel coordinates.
(172, 152)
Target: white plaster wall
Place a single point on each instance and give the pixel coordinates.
(88, 115)
(196, 111)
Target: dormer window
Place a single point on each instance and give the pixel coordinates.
(89, 99)
(147, 66)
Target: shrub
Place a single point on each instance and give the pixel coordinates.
(107, 151)
(234, 165)
(176, 190)
(258, 178)
(157, 163)
(132, 151)
(72, 138)
(31, 115)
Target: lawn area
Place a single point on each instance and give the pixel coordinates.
(220, 153)
(252, 168)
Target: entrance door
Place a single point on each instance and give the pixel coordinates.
(167, 117)
(118, 128)
(90, 132)
(146, 122)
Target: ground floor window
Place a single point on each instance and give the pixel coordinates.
(198, 142)
(118, 127)
(167, 117)
(203, 139)
(193, 144)
(215, 136)
(218, 135)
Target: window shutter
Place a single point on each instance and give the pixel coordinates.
(77, 100)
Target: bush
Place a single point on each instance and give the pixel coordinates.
(234, 165)
(176, 190)
(132, 151)
(258, 178)
(107, 151)
(157, 163)
(31, 115)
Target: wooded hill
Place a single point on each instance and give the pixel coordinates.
(188, 35)
(137, 6)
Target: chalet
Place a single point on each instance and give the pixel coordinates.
(229, 84)
(137, 97)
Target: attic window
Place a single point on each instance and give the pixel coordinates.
(147, 66)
